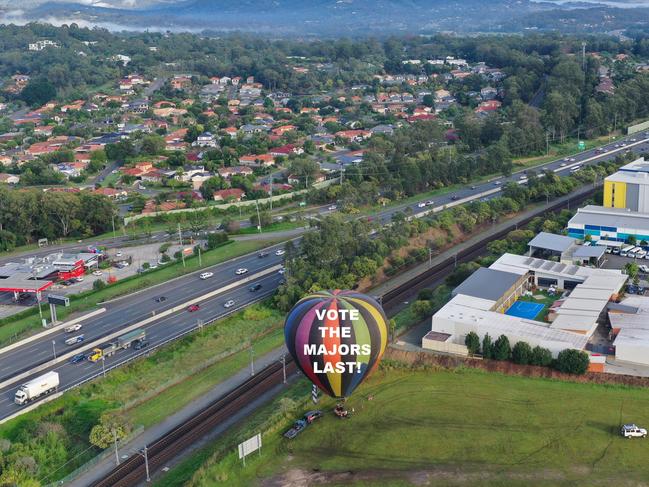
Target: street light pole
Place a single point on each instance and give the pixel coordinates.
(54, 348)
(258, 217)
(112, 217)
(116, 452)
(284, 367)
(103, 365)
(252, 361)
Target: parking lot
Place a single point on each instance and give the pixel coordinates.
(612, 261)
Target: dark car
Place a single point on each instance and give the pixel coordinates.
(193, 307)
(160, 299)
(297, 428)
(140, 344)
(80, 357)
(641, 290)
(261, 255)
(455, 197)
(254, 288)
(631, 289)
(311, 416)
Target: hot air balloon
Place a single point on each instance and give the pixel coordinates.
(337, 339)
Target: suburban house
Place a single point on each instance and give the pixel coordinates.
(233, 194)
(228, 172)
(9, 178)
(258, 160)
(286, 150)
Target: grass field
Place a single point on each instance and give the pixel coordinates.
(462, 427)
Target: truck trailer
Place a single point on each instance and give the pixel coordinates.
(121, 343)
(35, 388)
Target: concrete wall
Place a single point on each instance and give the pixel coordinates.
(445, 347)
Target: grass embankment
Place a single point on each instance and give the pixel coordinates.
(273, 227)
(143, 392)
(28, 322)
(440, 427)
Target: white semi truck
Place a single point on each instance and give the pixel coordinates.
(35, 388)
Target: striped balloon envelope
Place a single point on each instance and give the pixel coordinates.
(337, 339)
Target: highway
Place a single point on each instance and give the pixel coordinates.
(136, 307)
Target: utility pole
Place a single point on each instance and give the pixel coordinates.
(252, 361)
(547, 143)
(116, 452)
(103, 365)
(258, 216)
(145, 454)
(430, 257)
(271, 192)
(200, 262)
(112, 217)
(284, 367)
(583, 56)
(54, 348)
(180, 236)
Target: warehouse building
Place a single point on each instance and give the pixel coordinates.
(626, 208)
(488, 303)
(630, 324)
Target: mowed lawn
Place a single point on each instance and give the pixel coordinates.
(462, 427)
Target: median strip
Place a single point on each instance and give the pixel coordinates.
(140, 324)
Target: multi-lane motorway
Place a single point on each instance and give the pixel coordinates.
(135, 308)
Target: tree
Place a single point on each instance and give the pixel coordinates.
(211, 185)
(153, 145)
(522, 353)
(422, 309)
(632, 269)
(487, 347)
(97, 161)
(502, 349)
(265, 219)
(429, 101)
(571, 361)
(111, 426)
(541, 357)
(216, 239)
(38, 92)
(472, 342)
(7, 241)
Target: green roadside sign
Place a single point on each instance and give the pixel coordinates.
(581, 145)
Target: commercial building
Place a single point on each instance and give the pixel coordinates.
(625, 213)
(485, 301)
(630, 324)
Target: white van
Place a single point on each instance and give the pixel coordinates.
(625, 250)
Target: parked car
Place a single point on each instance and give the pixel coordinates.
(80, 357)
(119, 253)
(229, 303)
(254, 288)
(140, 344)
(73, 328)
(633, 431)
(193, 307)
(280, 252)
(206, 275)
(74, 340)
(241, 271)
(297, 428)
(97, 273)
(644, 268)
(311, 416)
(160, 299)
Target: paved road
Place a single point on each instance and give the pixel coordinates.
(137, 307)
(134, 308)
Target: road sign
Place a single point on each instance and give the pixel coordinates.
(60, 300)
(582, 145)
(249, 446)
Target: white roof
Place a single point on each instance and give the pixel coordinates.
(628, 320)
(582, 324)
(641, 302)
(584, 292)
(473, 302)
(636, 337)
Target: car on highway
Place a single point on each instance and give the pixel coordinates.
(497, 183)
(160, 299)
(97, 273)
(74, 340)
(633, 431)
(455, 197)
(563, 164)
(229, 303)
(430, 203)
(193, 307)
(140, 344)
(206, 275)
(80, 357)
(281, 271)
(240, 271)
(254, 288)
(332, 208)
(421, 205)
(262, 254)
(280, 252)
(473, 187)
(73, 328)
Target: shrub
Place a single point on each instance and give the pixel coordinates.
(216, 239)
(572, 361)
(422, 308)
(425, 294)
(99, 284)
(522, 353)
(502, 349)
(487, 347)
(541, 356)
(472, 342)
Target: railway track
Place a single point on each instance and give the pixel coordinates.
(133, 470)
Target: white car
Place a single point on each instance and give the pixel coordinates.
(431, 202)
(240, 271)
(73, 328)
(78, 279)
(118, 254)
(633, 431)
(563, 164)
(74, 340)
(229, 303)
(644, 268)
(332, 208)
(497, 183)
(282, 271)
(280, 252)
(421, 205)
(97, 273)
(206, 275)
